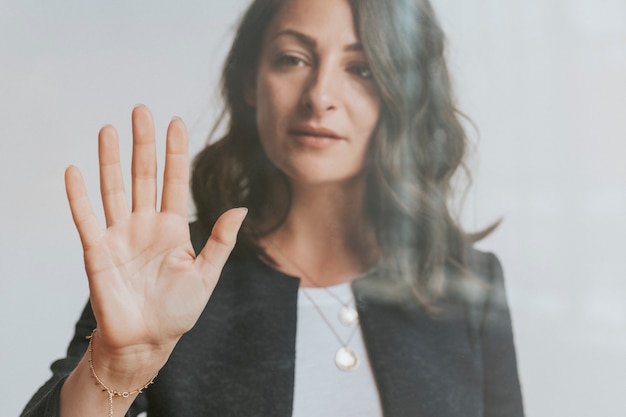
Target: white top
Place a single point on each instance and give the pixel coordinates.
(321, 388)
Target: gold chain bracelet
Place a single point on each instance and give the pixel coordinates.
(109, 391)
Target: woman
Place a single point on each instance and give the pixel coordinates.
(342, 142)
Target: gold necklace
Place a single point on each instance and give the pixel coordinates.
(346, 359)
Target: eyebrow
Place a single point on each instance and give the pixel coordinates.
(311, 43)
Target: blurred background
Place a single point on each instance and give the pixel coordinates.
(544, 82)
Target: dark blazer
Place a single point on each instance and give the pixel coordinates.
(238, 360)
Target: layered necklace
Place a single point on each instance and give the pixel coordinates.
(346, 358)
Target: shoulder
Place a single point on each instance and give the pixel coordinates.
(484, 266)
(479, 285)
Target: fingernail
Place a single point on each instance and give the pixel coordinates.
(244, 211)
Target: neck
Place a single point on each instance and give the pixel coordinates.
(326, 238)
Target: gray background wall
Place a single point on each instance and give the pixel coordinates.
(544, 81)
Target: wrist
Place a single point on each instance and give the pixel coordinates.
(124, 371)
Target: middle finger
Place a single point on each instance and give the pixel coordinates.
(144, 160)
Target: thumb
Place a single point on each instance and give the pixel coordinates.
(222, 240)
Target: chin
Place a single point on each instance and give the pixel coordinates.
(322, 177)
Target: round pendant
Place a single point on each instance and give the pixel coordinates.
(348, 316)
(346, 359)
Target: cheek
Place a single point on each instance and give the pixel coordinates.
(271, 116)
(363, 101)
(265, 113)
(374, 112)
(365, 113)
(274, 101)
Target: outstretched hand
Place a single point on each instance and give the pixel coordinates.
(147, 287)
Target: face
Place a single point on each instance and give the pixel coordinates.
(316, 103)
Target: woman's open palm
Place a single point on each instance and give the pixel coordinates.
(147, 287)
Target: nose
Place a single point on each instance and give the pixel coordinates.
(322, 90)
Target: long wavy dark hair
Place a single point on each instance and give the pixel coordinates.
(417, 147)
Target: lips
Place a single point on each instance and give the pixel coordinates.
(314, 131)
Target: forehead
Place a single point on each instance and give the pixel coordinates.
(322, 20)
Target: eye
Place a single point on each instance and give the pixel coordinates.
(290, 61)
(362, 70)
